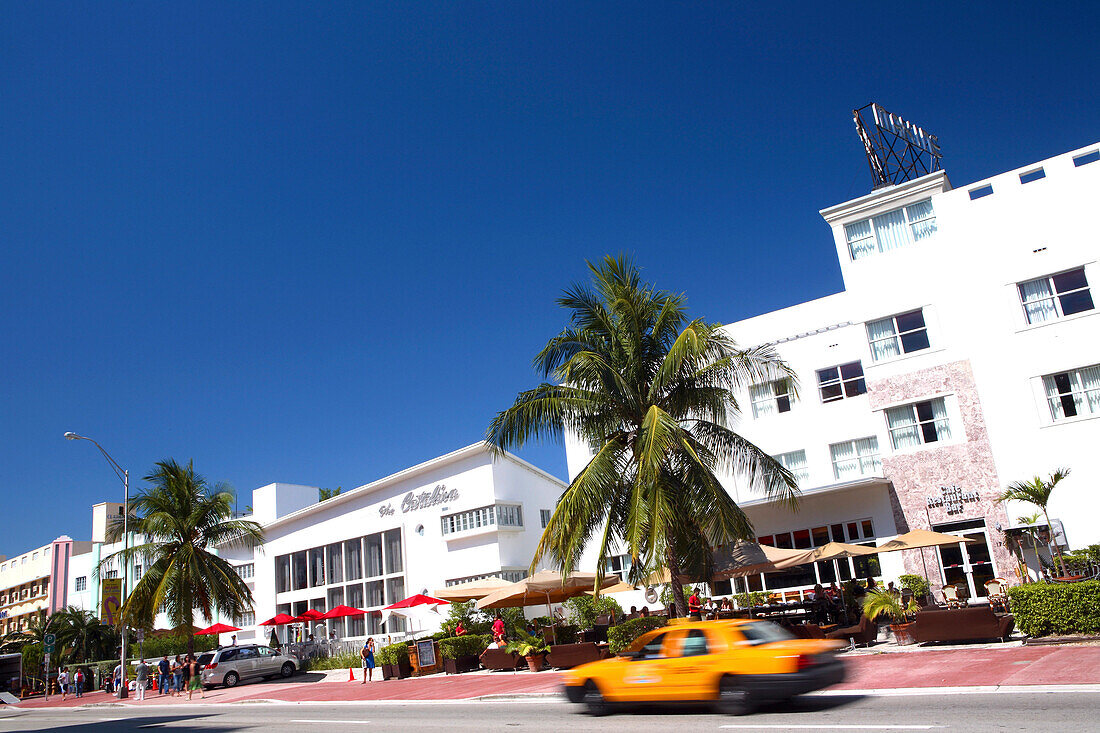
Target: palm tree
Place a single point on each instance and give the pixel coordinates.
(83, 635)
(181, 518)
(35, 633)
(652, 394)
(1037, 492)
(326, 494)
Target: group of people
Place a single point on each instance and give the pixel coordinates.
(172, 678)
(71, 683)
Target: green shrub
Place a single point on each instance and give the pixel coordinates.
(566, 634)
(915, 583)
(583, 610)
(155, 647)
(752, 598)
(470, 645)
(339, 661)
(475, 622)
(621, 636)
(392, 653)
(1045, 609)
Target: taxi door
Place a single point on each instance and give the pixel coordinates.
(688, 666)
(644, 676)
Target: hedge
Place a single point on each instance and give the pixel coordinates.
(470, 645)
(1045, 609)
(391, 653)
(621, 636)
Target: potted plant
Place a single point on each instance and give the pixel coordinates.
(395, 661)
(881, 602)
(918, 585)
(460, 653)
(531, 648)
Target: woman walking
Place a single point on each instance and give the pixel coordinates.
(367, 654)
(177, 677)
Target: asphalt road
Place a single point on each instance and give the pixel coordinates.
(970, 712)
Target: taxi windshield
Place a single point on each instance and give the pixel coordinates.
(762, 632)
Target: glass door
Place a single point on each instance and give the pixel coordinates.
(967, 566)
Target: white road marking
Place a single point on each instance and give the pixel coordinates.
(331, 722)
(836, 728)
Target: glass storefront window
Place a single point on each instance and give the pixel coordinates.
(820, 535)
(282, 573)
(354, 598)
(316, 567)
(301, 571)
(374, 594)
(335, 563)
(374, 554)
(395, 563)
(353, 560)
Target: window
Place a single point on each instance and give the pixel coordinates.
(353, 559)
(282, 573)
(395, 561)
(795, 462)
(513, 576)
(110, 574)
(301, 570)
(855, 458)
(771, 397)
(137, 573)
(544, 517)
(334, 563)
(919, 423)
(1085, 158)
(981, 192)
(694, 644)
(246, 571)
(472, 519)
(246, 619)
(1074, 393)
(81, 583)
(373, 544)
(509, 515)
(1035, 175)
(836, 383)
(317, 566)
(1056, 296)
(34, 555)
(897, 335)
(891, 230)
(618, 565)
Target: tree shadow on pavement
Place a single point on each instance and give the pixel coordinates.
(122, 725)
(301, 677)
(798, 705)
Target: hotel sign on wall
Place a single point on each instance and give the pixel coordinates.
(422, 500)
(952, 499)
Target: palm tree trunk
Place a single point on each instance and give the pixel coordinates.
(1054, 544)
(673, 564)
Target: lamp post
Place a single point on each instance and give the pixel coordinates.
(123, 474)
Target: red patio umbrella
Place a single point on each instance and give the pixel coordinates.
(278, 620)
(217, 629)
(418, 600)
(310, 615)
(342, 611)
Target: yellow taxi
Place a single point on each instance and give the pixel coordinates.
(735, 665)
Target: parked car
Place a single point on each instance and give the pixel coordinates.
(232, 664)
(734, 665)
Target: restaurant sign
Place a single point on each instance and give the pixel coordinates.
(422, 500)
(952, 499)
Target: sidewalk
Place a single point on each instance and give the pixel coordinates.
(987, 666)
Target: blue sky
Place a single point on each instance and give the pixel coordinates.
(319, 243)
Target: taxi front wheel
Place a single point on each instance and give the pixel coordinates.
(733, 697)
(593, 699)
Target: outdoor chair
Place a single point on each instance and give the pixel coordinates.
(995, 592)
(864, 632)
(951, 597)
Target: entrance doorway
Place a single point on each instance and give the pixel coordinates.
(967, 566)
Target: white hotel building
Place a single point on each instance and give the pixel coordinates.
(963, 354)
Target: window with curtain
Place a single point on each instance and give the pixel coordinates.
(353, 559)
(891, 230)
(840, 382)
(918, 424)
(395, 561)
(795, 462)
(334, 563)
(854, 458)
(301, 570)
(771, 397)
(897, 335)
(373, 544)
(1074, 393)
(1056, 296)
(317, 566)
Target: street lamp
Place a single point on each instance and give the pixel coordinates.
(125, 476)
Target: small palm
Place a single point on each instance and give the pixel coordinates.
(1037, 491)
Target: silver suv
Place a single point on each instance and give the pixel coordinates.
(231, 664)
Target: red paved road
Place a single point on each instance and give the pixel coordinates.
(1052, 665)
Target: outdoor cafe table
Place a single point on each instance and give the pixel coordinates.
(782, 611)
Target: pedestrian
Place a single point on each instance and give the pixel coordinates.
(367, 655)
(644, 613)
(78, 680)
(233, 640)
(460, 630)
(141, 678)
(498, 631)
(63, 681)
(194, 680)
(177, 677)
(164, 675)
(116, 679)
(695, 606)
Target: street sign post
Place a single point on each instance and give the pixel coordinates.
(46, 676)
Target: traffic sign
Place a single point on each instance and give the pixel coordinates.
(139, 635)
(50, 638)
(49, 649)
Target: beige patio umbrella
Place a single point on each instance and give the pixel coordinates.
(472, 590)
(916, 539)
(619, 587)
(545, 586)
(749, 558)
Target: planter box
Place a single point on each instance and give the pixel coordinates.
(397, 671)
(902, 634)
(468, 663)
